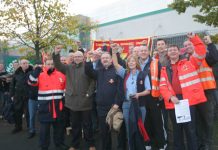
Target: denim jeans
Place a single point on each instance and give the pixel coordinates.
(33, 107)
(126, 107)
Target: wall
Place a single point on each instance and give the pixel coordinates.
(156, 23)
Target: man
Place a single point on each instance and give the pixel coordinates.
(107, 96)
(162, 51)
(135, 51)
(63, 60)
(51, 85)
(70, 57)
(80, 48)
(79, 88)
(104, 47)
(19, 93)
(205, 111)
(161, 47)
(131, 47)
(179, 80)
(15, 65)
(154, 122)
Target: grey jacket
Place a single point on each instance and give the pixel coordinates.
(78, 85)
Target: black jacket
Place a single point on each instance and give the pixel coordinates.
(212, 55)
(4, 86)
(108, 87)
(19, 84)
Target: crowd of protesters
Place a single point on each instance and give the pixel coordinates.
(79, 91)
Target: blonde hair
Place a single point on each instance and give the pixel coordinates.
(136, 60)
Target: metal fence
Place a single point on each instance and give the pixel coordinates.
(179, 38)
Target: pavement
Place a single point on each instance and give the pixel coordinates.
(19, 141)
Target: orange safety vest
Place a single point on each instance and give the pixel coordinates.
(190, 83)
(51, 88)
(155, 92)
(205, 73)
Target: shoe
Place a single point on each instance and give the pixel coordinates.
(148, 147)
(92, 148)
(31, 135)
(71, 148)
(16, 130)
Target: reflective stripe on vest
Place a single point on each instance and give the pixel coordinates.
(154, 78)
(203, 69)
(162, 79)
(58, 97)
(207, 79)
(206, 76)
(192, 74)
(186, 84)
(50, 91)
(198, 56)
(155, 87)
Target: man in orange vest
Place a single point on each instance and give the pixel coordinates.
(205, 111)
(51, 85)
(154, 122)
(180, 80)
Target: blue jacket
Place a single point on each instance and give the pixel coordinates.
(108, 87)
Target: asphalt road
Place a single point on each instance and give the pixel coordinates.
(19, 141)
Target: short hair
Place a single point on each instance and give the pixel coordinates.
(143, 46)
(162, 40)
(173, 45)
(106, 53)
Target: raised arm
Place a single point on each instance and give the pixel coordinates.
(212, 54)
(114, 56)
(89, 70)
(56, 58)
(200, 50)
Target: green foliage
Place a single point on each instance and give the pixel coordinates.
(38, 24)
(208, 10)
(4, 46)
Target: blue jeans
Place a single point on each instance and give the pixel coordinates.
(33, 107)
(126, 106)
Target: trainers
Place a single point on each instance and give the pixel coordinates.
(16, 130)
(148, 147)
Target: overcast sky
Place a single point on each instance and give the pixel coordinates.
(109, 10)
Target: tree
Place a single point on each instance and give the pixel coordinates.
(37, 24)
(208, 10)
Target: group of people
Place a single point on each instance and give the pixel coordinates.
(80, 90)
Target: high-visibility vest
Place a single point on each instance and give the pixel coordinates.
(155, 92)
(51, 90)
(190, 83)
(206, 76)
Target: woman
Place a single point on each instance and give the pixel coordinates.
(136, 86)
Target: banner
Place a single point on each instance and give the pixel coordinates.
(124, 43)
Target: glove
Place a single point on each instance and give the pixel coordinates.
(37, 71)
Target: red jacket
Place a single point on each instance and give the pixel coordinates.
(189, 80)
(50, 93)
